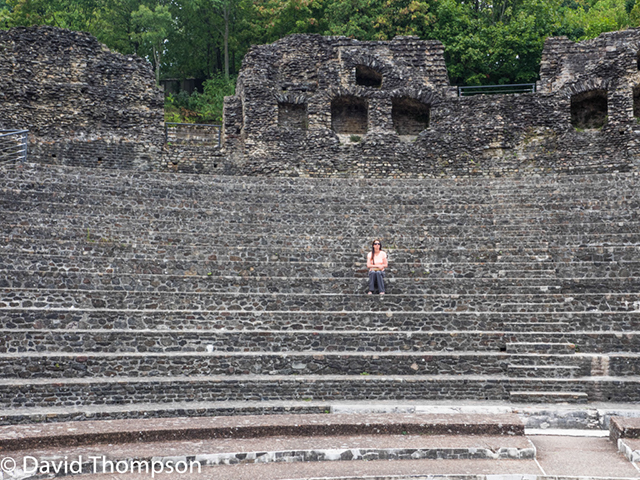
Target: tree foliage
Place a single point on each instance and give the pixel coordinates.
(151, 29)
(380, 19)
(205, 107)
(486, 41)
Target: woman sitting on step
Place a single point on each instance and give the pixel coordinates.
(376, 263)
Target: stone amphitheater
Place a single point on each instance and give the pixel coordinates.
(173, 318)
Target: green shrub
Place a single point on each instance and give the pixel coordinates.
(205, 107)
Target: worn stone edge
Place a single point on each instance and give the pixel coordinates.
(289, 456)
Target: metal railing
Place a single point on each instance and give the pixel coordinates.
(496, 89)
(192, 132)
(13, 145)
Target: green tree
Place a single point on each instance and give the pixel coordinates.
(584, 19)
(494, 43)
(274, 19)
(115, 26)
(206, 40)
(4, 14)
(634, 16)
(379, 19)
(203, 107)
(486, 41)
(71, 14)
(152, 29)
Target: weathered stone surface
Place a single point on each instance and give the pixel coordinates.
(309, 105)
(122, 288)
(624, 427)
(468, 136)
(38, 436)
(81, 103)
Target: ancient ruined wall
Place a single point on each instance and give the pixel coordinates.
(81, 103)
(332, 106)
(329, 106)
(325, 73)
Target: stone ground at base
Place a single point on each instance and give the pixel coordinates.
(556, 456)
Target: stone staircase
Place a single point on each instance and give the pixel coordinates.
(127, 294)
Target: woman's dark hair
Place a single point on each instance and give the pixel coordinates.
(373, 251)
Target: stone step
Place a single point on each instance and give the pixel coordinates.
(168, 267)
(179, 320)
(536, 416)
(469, 266)
(38, 436)
(548, 397)
(550, 347)
(536, 325)
(497, 250)
(165, 245)
(79, 392)
(75, 241)
(285, 268)
(423, 193)
(589, 267)
(11, 279)
(546, 371)
(298, 236)
(397, 257)
(227, 341)
(352, 225)
(343, 227)
(41, 415)
(230, 302)
(624, 427)
(221, 458)
(29, 176)
(588, 186)
(152, 211)
(31, 200)
(88, 364)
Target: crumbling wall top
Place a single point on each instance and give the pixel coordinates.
(60, 83)
(310, 62)
(602, 62)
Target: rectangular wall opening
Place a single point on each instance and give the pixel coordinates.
(349, 115)
(368, 77)
(589, 109)
(410, 116)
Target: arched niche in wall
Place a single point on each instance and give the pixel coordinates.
(410, 116)
(368, 77)
(293, 115)
(349, 114)
(589, 109)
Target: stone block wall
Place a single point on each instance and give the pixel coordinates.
(309, 105)
(81, 103)
(386, 109)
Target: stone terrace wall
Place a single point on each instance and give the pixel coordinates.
(82, 103)
(302, 76)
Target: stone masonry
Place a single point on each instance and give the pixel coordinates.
(386, 109)
(309, 105)
(79, 100)
(130, 294)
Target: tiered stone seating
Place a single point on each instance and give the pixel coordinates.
(128, 294)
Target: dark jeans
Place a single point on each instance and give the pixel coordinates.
(376, 278)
